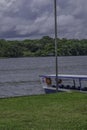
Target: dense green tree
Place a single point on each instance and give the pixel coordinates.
(43, 47)
(13, 50)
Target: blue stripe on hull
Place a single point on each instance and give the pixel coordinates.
(49, 91)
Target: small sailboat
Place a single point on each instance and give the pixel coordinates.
(61, 82)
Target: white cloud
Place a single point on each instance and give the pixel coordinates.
(66, 19)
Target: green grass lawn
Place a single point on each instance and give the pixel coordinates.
(60, 111)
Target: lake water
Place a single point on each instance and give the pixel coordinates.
(20, 76)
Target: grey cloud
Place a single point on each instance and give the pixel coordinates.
(26, 18)
(72, 19)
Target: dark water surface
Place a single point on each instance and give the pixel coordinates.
(20, 76)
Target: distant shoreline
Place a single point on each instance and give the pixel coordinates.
(43, 47)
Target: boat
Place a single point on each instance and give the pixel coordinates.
(66, 83)
(61, 82)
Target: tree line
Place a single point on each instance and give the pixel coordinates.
(42, 47)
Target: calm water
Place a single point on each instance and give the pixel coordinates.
(20, 76)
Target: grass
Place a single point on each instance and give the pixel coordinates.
(61, 111)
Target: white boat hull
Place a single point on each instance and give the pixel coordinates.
(49, 84)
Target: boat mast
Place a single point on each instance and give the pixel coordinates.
(56, 60)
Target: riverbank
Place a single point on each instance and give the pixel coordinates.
(61, 111)
(42, 47)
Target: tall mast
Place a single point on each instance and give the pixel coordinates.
(56, 60)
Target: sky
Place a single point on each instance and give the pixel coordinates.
(21, 19)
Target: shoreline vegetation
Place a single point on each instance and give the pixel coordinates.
(59, 111)
(42, 47)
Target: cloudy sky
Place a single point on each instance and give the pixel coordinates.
(35, 18)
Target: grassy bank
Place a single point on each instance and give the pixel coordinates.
(61, 111)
